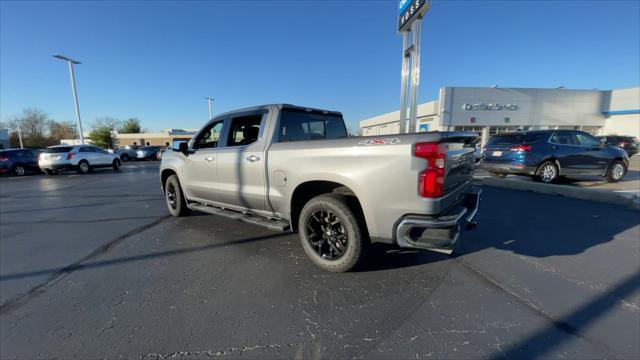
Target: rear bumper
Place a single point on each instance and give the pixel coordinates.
(438, 233)
(57, 167)
(519, 169)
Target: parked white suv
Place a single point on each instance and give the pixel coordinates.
(81, 158)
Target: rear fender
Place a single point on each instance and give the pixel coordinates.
(555, 161)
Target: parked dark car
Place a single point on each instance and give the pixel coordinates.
(549, 154)
(148, 153)
(627, 143)
(19, 161)
(159, 154)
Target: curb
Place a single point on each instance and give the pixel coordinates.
(604, 196)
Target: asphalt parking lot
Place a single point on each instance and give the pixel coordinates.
(93, 267)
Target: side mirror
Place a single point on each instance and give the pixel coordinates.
(183, 147)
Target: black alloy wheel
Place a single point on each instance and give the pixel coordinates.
(327, 235)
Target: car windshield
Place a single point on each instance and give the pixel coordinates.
(58, 149)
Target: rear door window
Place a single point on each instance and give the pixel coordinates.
(244, 130)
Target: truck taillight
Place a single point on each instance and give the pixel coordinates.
(70, 155)
(521, 148)
(431, 184)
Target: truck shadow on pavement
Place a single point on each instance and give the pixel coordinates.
(523, 223)
(544, 225)
(57, 271)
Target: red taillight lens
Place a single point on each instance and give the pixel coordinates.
(622, 143)
(431, 184)
(4, 158)
(70, 155)
(521, 148)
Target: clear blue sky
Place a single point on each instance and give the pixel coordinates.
(157, 60)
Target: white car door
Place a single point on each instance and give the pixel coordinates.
(102, 156)
(87, 153)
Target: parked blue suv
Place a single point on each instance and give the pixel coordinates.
(549, 154)
(19, 161)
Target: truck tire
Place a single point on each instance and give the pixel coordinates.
(616, 171)
(174, 197)
(330, 233)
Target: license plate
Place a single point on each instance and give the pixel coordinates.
(497, 153)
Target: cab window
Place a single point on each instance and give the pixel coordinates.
(244, 130)
(300, 125)
(209, 137)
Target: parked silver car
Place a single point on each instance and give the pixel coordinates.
(81, 158)
(127, 153)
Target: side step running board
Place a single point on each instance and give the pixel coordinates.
(280, 225)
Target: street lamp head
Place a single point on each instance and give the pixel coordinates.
(62, 57)
(208, 98)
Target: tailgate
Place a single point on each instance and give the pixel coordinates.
(460, 161)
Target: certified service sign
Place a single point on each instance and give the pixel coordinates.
(409, 11)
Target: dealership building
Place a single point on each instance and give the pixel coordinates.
(165, 138)
(494, 110)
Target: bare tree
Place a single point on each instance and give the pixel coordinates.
(106, 122)
(34, 125)
(61, 130)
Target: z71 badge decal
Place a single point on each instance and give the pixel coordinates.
(387, 141)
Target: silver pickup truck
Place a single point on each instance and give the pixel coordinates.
(295, 168)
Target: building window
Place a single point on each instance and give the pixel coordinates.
(148, 143)
(166, 143)
(476, 129)
(493, 130)
(593, 130)
(134, 143)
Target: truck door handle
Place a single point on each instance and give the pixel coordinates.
(209, 158)
(253, 158)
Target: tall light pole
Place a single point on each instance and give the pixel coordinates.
(19, 135)
(72, 62)
(210, 112)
